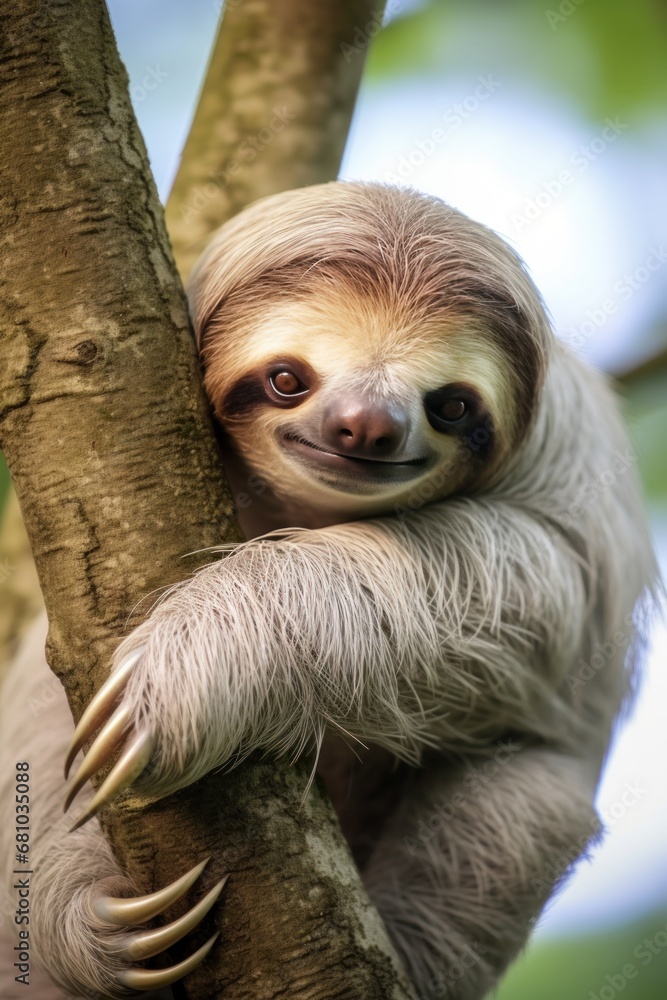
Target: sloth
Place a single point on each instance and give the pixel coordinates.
(441, 594)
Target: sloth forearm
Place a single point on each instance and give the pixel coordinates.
(285, 637)
(268, 646)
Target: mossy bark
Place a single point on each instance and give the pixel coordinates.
(107, 435)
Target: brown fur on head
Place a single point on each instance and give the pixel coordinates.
(384, 313)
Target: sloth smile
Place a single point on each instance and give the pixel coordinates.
(354, 466)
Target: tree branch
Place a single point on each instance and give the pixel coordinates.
(652, 367)
(106, 432)
(274, 112)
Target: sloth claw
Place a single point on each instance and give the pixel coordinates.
(102, 749)
(136, 978)
(101, 705)
(132, 762)
(116, 732)
(133, 910)
(145, 944)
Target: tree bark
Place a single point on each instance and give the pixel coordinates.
(107, 435)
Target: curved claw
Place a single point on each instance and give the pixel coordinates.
(132, 762)
(131, 910)
(102, 749)
(101, 704)
(153, 979)
(145, 944)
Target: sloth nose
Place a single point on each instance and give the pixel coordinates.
(362, 430)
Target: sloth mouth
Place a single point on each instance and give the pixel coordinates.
(373, 469)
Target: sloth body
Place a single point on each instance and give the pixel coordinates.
(395, 411)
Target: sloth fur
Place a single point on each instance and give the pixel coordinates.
(445, 615)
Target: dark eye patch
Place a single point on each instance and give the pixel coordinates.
(246, 394)
(470, 422)
(256, 388)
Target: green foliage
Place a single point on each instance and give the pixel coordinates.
(646, 413)
(608, 57)
(652, 433)
(630, 960)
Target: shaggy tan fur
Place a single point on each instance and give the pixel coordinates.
(449, 621)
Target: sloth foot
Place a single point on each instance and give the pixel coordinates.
(138, 945)
(117, 731)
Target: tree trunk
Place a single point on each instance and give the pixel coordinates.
(273, 114)
(107, 435)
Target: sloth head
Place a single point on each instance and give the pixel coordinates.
(363, 346)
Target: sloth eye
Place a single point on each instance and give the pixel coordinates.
(285, 383)
(451, 408)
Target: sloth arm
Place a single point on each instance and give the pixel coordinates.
(442, 629)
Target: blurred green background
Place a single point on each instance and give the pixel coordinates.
(549, 124)
(595, 966)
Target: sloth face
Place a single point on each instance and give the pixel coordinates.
(344, 408)
(365, 348)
